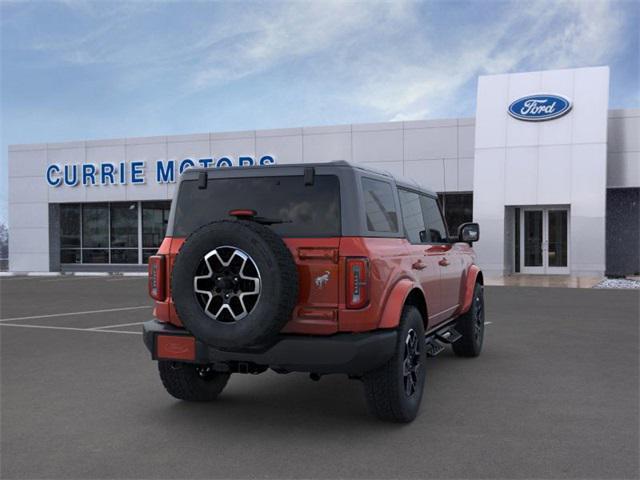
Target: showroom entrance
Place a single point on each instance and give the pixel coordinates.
(542, 240)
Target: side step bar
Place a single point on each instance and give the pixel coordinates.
(434, 341)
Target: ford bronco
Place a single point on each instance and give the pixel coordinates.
(318, 268)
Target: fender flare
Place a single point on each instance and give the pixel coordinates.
(467, 296)
(395, 303)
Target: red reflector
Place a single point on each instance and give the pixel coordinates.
(357, 282)
(157, 277)
(242, 213)
(175, 347)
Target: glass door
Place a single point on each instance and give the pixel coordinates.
(544, 244)
(532, 239)
(557, 241)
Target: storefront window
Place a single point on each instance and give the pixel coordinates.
(95, 225)
(109, 233)
(155, 216)
(457, 209)
(124, 232)
(70, 233)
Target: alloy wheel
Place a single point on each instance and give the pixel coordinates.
(227, 284)
(411, 362)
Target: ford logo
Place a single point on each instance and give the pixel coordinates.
(536, 108)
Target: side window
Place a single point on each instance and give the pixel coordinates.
(436, 231)
(412, 216)
(379, 205)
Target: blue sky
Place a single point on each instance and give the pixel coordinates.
(75, 70)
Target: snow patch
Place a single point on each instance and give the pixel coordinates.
(624, 283)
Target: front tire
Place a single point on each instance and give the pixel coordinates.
(190, 382)
(471, 326)
(394, 391)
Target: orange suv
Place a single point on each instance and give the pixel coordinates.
(319, 268)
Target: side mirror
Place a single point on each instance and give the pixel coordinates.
(469, 232)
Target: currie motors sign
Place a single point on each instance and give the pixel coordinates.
(135, 172)
(540, 107)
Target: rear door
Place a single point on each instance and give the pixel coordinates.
(450, 262)
(424, 260)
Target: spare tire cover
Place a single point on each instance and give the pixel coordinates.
(234, 284)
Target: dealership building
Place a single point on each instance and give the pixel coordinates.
(548, 170)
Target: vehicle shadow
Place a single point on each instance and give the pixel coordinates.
(284, 403)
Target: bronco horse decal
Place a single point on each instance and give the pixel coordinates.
(322, 280)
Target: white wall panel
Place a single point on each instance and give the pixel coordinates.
(195, 150)
(624, 134)
(488, 183)
(29, 240)
(28, 215)
(521, 176)
(28, 189)
(591, 104)
(377, 146)
(623, 169)
(465, 174)
(327, 147)
(27, 163)
(466, 141)
(431, 143)
(235, 148)
(491, 122)
(588, 180)
(28, 262)
(287, 149)
(554, 175)
(587, 245)
(428, 173)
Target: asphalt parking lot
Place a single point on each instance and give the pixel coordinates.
(554, 395)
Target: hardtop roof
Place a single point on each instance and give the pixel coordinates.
(399, 181)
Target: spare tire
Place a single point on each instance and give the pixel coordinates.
(234, 284)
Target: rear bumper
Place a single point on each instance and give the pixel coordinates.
(350, 353)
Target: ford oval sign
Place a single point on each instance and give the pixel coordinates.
(536, 108)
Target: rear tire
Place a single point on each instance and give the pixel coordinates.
(394, 391)
(471, 326)
(190, 382)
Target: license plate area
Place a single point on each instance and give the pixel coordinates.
(175, 347)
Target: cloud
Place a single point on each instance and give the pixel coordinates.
(293, 31)
(398, 59)
(526, 36)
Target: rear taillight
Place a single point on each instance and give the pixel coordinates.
(357, 282)
(157, 277)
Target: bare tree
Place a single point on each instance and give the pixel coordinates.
(4, 241)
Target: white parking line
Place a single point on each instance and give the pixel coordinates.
(88, 312)
(114, 326)
(124, 279)
(49, 327)
(488, 323)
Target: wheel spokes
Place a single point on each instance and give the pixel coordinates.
(229, 284)
(411, 362)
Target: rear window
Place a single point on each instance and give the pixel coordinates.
(305, 210)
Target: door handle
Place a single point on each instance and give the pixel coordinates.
(418, 265)
(443, 262)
